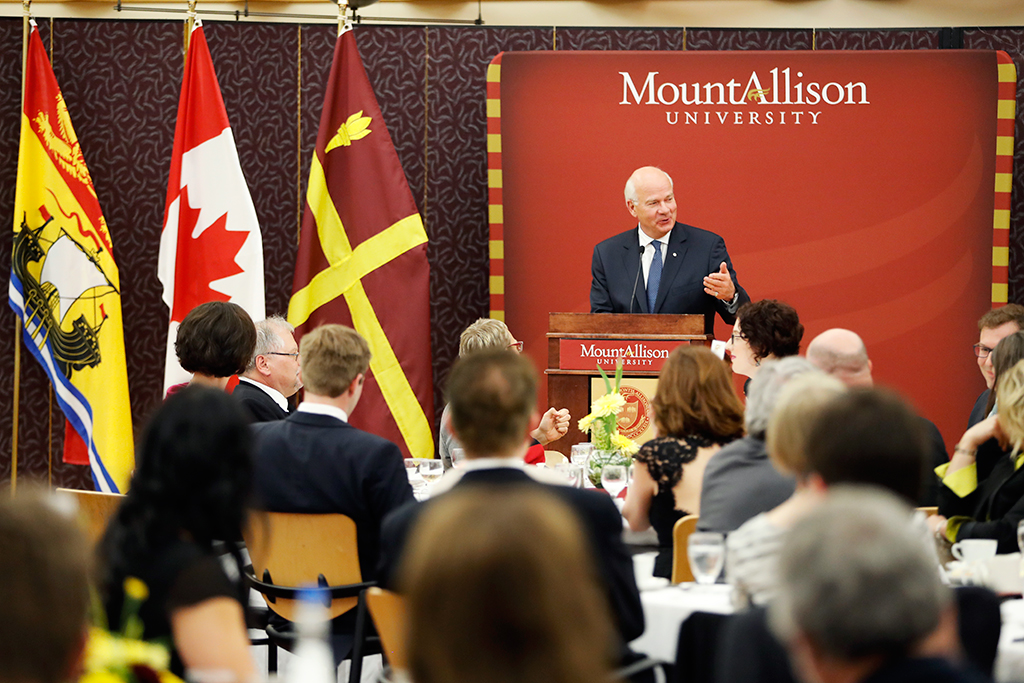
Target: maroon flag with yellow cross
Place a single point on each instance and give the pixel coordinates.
(362, 257)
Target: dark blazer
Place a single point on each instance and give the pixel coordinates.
(258, 404)
(938, 456)
(996, 506)
(978, 411)
(692, 254)
(320, 464)
(598, 515)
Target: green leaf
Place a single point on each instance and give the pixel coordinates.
(607, 383)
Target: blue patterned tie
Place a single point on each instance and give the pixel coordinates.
(654, 277)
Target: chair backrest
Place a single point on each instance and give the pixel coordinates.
(680, 562)
(94, 510)
(552, 458)
(296, 550)
(390, 615)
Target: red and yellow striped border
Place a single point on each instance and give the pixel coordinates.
(495, 209)
(1005, 118)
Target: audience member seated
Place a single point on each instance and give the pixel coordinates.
(491, 334)
(44, 562)
(971, 507)
(827, 437)
(993, 327)
(273, 375)
(214, 342)
(739, 481)
(502, 589)
(492, 397)
(752, 549)
(842, 354)
(764, 330)
(190, 488)
(696, 412)
(314, 461)
(860, 598)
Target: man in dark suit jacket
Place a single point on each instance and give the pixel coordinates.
(273, 375)
(316, 462)
(492, 397)
(692, 274)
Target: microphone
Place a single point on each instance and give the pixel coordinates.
(636, 281)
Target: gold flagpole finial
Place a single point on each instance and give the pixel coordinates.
(343, 21)
(190, 22)
(26, 8)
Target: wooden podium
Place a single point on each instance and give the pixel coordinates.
(577, 342)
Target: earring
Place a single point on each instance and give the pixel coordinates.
(757, 363)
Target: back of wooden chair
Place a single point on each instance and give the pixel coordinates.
(94, 510)
(680, 562)
(390, 615)
(296, 550)
(552, 458)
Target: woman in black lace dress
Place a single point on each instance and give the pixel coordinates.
(696, 412)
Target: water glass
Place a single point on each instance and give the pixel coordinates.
(431, 470)
(580, 453)
(706, 552)
(458, 457)
(572, 473)
(613, 479)
(1020, 536)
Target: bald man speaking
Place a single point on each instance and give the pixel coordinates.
(663, 266)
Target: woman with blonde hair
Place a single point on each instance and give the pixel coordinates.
(502, 589)
(696, 412)
(991, 507)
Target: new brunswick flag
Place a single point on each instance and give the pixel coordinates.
(64, 283)
(362, 257)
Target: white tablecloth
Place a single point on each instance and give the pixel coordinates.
(665, 610)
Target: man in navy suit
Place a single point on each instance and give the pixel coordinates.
(663, 266)
(314, 461)
(492, 396)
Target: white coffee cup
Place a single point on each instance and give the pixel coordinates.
(974, 549)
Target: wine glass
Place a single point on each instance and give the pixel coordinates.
(458, 457)
(706, 552)
(613, 479)
(412, 466)
(580, 455)
(431, 470)
(571, 472)
(1020, 535)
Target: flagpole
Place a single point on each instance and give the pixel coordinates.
(190, 22)
(342, 15)
(26, 30)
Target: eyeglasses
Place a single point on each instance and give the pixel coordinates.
(294, 354)
(517, 345)
(737, 335)
(981, 351)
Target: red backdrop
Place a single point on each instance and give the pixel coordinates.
(876, 214)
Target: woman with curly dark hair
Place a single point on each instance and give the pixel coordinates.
(764, 330)
(696, 412)
(190, 488)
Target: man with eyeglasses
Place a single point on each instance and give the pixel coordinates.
(273, 375)
(993, 327)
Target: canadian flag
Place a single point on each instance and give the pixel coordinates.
(211, 247)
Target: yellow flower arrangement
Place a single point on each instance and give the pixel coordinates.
(124, 657)
(602, 424)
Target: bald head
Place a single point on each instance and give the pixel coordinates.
(842, 354)
(650, 198)
(643, 178)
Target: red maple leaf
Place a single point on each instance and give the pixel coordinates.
(203, 259)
